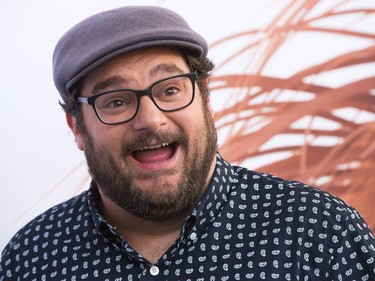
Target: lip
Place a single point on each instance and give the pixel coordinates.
(166, 164)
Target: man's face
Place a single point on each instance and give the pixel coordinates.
(157, 165)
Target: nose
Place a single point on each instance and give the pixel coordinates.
(148, 117)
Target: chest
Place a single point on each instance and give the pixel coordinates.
(231, 251)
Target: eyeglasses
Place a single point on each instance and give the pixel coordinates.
(120, 106)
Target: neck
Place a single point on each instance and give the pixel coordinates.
(122, 219)
(150, 239)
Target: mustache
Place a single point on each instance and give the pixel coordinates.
(147, 138)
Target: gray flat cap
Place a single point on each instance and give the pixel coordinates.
(110, 33)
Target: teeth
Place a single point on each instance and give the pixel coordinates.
(154, 146)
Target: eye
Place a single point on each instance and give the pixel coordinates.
(115, 102)
(171, 91)
(167, 90)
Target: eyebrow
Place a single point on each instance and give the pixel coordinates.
(110, 81)
(165, 67)
(118, 80)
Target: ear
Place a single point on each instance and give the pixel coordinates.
(72, 123)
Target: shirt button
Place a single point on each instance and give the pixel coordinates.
(154, 270)
(193, 236)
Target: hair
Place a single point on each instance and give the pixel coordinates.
(202, 66)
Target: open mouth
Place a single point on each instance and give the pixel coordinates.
(155, 153)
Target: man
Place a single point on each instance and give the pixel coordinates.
(163, 204)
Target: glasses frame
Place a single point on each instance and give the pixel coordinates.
(140, 93)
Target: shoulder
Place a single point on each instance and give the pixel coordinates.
(295, 196)
(322, 225)
(49, 224)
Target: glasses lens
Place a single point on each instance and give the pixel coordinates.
(117, 106)
(174, 93)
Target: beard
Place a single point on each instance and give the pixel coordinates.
(167, 199)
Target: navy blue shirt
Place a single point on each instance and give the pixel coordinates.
(248, 226)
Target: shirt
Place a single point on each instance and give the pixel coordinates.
(248, 226)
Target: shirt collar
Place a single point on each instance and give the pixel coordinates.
(106, 230)
(101, 225)
(216, 196)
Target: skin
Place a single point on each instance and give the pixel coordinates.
(158, 180)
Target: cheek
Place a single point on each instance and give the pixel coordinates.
(190, 123)
(193, 115)
(102, 136)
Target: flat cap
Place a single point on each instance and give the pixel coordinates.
(114, 32)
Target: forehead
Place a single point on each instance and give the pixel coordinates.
(143, 60)
(135, 69)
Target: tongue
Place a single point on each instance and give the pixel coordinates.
(153, 155)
